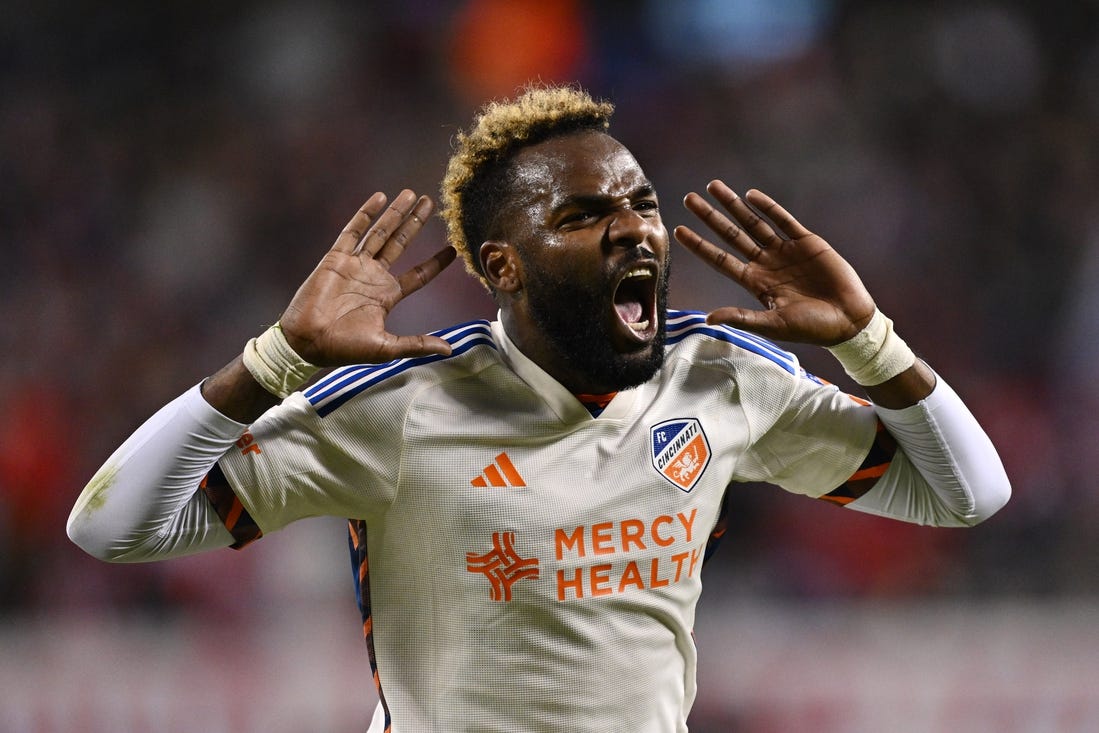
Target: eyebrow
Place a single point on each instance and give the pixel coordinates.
(599, 200)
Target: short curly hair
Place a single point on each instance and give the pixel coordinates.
(476, 187)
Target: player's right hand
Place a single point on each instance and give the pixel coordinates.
(338, 314)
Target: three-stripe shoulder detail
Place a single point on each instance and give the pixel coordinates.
(344, 383)
(683, 324)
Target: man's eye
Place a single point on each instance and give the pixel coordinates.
(646, 205)
(580, 217)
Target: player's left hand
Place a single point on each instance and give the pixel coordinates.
(810, 293)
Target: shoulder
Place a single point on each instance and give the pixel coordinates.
(472, 348)
(690, 336)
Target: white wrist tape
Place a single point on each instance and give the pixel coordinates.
(875, 354)
(275, 365)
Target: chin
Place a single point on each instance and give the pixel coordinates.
(636, 367)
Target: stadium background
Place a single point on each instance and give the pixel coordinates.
(170, 172)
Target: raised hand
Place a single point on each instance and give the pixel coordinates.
(338, 314)
(810, 293)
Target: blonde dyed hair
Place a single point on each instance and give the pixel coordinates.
(476, 187)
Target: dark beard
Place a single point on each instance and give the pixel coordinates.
(573, 319)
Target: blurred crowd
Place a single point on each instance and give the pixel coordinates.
(170, 172)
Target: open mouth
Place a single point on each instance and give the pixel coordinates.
(634, 299)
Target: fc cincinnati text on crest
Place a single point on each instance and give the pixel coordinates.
(671, 451)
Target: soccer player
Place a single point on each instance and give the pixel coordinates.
(531, 499)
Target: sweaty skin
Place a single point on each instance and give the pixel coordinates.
(589, 221)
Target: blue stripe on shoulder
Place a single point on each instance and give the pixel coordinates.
(682, 324)
(346, 382)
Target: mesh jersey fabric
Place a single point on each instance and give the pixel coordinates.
(532, 567)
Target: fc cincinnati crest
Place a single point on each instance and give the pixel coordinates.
(680, 451)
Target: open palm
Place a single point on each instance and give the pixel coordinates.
(338, 314)
(810, 293)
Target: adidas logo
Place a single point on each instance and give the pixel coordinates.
(500, 473)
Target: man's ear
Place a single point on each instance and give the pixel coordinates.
(501, 265)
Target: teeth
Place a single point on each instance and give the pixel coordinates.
(638, 272)
(639, 326)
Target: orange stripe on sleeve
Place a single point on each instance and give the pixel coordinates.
(233, 516)
(871, 472)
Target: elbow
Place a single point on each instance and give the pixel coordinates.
(993, 496)
(87, 539)
(91, 526)
(85, 526)
(86, 534)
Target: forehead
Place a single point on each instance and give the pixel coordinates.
(587, 163)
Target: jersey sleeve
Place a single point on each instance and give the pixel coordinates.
(144, 503)
(946, 472)
(811, 442)
(292, 464)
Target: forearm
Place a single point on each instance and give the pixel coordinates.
(905, 389)
(946, 473)
(145, 503)
(236, 394)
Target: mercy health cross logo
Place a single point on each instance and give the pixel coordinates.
(502, 565)
(680, 451)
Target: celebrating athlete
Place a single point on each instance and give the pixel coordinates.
(531, 499)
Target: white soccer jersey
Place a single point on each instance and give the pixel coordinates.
(532, 568)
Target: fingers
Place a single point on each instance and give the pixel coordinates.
(399, 347)
(410, 282)
(767, 323)
(757, 221)
(383, 232)
(388, 225)
(781, 218)
(716, 257)
(730, 232)
(392, 248)
(425, 272)
(414, 346)
(356, 229)
(759, 228)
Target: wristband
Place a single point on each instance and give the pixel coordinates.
(875, 354)
(275, 365)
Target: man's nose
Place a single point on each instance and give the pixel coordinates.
(628, 228)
